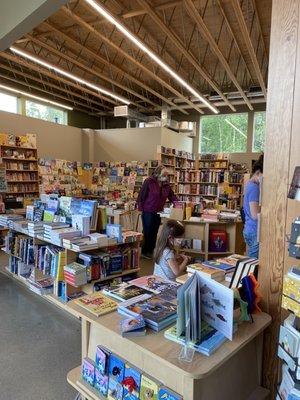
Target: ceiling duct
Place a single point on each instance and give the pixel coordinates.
(130, 114)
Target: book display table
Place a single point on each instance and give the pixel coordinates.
(232, 372)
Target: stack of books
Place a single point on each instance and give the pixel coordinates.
(7, 219)
(35, 228)
(41, 286)
(157, 313)
(56, 236)
(75, 274)
(80, 244)
(126, 292)
(216, 274)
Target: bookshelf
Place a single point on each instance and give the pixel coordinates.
(21, 165)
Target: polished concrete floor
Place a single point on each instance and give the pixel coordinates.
(39, 344)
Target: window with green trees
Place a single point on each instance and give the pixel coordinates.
(47, 113)
(226, 133)
(259, 131)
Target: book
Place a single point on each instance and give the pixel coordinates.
(81, 223)
(97, 304)
(102, 357)
(149, 388)
(219, 265)
(165, 393)
(88, 371)
(116, 368)
(126, 292)
(101, 382)
(217, 275)
(114, 231)
(167, 289)
(133, 326)
(131, 383)
(156, 312)
(115, 390)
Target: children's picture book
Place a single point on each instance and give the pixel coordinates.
(97, 304)
(168, 394)
(218, 265)
(131, 324)
(88, 371)
(149, 388)
(131, 383)
(157, 285)
(102, 357)
(116, 368)
(115, 390)
(101, 382)
(127, 292)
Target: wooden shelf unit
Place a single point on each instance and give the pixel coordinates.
(12, 158)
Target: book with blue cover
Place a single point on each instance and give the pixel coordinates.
(101, 382)
(168, 394)
(88, 371)
(102, 357)
(116, 368)
(114, 231)
(115, 390)
(218, 265)
(131, 383)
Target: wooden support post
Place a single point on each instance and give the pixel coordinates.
(282, 154)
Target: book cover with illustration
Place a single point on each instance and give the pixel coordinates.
(88, 371)
(97, 304)
(127, 292)
(168, 394)
(157, 284)
(102, 357)
(149, 388)
(131, 383)
(116, 368)
(101, 382)
(131, 324)
(115, 390)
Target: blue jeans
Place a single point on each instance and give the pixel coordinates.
(252, 243)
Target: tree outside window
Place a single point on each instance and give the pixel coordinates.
(47, 113)
(225, 133)
(259, 131)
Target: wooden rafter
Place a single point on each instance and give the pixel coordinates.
(247, 39)
(81, 22)
(164, 6)
(178, 43)
(44, 71)
(110, 65)
(260, 29)
(205, 33)
(52, 85)
(55, 95)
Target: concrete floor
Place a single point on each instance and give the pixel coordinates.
(39, 344)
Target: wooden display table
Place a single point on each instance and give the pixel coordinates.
(233, 372)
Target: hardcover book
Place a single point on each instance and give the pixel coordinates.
(131, 383)
(167, 394)
(101, 382)
(115, 390)
(131, 324)
(102, 357)
(149, 388)
(127, 292)
(116, 368)
(88, 371)
(157, 285)
(97, 304)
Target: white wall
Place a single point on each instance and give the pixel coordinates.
(176, 140)
(53, 140)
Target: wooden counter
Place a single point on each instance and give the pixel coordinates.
(232, 372)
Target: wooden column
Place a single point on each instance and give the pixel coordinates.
(282, 154)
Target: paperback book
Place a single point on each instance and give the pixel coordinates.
(168, 394)
(97, 304)
(88, 371)
(102, 357)
(127, 292)
(149, 388)
(131, 383)
(133, 326)
(101, 383)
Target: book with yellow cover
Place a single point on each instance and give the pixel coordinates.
(97, 304)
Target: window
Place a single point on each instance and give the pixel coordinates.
(225, 133)
(47, 113)
(259, 131)
(8, 103)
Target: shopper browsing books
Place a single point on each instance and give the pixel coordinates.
(167, 264)
(151, 200)
(252, 209)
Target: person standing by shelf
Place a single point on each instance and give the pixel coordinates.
(154, 193)
(251, 209)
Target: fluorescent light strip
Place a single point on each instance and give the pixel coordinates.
(150, 53)
(68, 75)
(35, 97)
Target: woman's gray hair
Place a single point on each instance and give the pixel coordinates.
(157, 172)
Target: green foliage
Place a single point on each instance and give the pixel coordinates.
(259, 131)
(225, 133)
(47, 113)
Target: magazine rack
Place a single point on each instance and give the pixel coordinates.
(233, 372)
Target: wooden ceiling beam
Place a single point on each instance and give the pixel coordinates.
(51, 85)
(258, 22)
(181, 47)
(103, 38)
(44, 71)
(110, 65)
(84, 67)
(205, 33)
(164, 6)
(247, 39)
(74, 104)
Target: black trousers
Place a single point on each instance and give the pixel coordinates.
(151, 223)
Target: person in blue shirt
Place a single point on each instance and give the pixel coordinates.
(251, 209)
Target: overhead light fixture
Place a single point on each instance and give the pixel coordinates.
(35, 97)
(101, 10)
(68, 75)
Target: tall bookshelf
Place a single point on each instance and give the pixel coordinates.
(21, 165)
